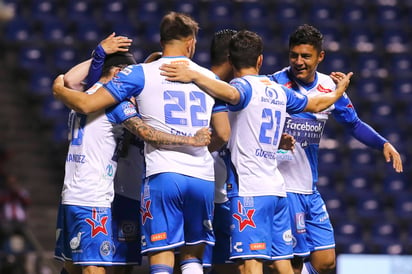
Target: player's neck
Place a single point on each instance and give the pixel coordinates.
(176, 48)
(246, 71)
(224, 71)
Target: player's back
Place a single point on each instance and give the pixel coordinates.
(256, 130)
(179, 109)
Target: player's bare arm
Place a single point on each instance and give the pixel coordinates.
(158, 138)
(390, 153)
(79, 101)
(183, 73)
(320, 102)
(74, 77)
(220, 130)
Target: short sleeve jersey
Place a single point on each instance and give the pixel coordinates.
(257, 124)
(172, 107)
(90, 164)
(300, 168)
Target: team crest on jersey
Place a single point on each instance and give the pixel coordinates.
(287, 236)
(244, 217)
(97, 223)
(320, 88)
(145, 210)
(106, 248)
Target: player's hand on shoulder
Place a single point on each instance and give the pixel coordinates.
(180, 72)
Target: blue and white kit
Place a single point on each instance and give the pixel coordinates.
(255, 182)
(311, 225)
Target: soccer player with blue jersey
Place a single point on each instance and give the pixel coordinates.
(84, 234)
(257, 112)
(311, 225)
(179, 178)
(129, 160)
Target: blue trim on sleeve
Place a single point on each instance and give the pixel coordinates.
(296, 102)
(129, 82)
(121, 112)
(245, 91)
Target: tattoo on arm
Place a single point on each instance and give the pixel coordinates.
(152, 136)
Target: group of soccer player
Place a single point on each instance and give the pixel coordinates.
(239, 197)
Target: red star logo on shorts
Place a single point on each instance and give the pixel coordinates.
(243, 222)
(145, 211)
(98, 224)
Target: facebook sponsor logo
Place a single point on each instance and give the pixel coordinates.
(305, 131)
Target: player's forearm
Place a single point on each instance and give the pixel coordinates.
(216, 88)
(321, 102)
(76, 75)
(155, 137)
(73, 99)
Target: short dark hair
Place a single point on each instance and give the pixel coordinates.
(175, 26)
(244, 49)
(219, 48)
(117, 59)
(306, 34)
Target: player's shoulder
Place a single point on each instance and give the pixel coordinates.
(241, 81)
(325, 78)
(202, 69)
(281, 76)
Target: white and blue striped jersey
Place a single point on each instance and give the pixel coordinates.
(172, 107)
(256, 125)
(90, 164)
(300, 168)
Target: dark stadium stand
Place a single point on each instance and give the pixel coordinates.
(47, 37)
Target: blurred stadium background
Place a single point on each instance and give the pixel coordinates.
(370, 205)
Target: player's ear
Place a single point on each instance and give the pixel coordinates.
(321, 56)
(259, 61)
